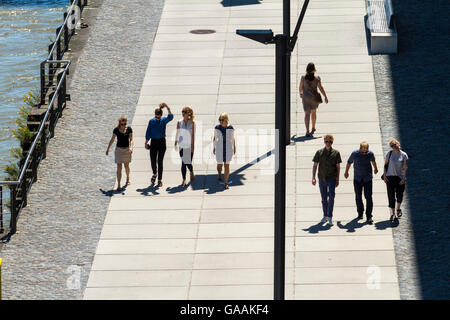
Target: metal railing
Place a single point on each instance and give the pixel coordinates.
(53, 80)
(59, 47)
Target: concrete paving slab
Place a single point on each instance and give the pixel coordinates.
(143, 262)
(150, 231)
(146, 246)
(101, 279)
(236, 277)
(385, 291)
(238, 260)
(343, 275)
(125, 217)
(136, 293)
(362, 258)
(343, 243)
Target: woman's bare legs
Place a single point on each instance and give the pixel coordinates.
(219, 171)
(127, 171)
(307, 115)
(313, 118)
(227, 174)
(119, 175)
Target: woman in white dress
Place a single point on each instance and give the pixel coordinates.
(224, 146)
(185, 140)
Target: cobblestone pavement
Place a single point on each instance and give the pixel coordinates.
(414, 108)
(59, 230)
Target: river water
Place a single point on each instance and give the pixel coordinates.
(27, 27)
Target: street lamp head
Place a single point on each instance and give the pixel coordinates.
(263, 36)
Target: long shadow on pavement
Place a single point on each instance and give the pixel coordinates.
(420, 107)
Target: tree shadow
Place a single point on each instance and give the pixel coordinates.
(235, 3)
(316, 228)
(351, 226)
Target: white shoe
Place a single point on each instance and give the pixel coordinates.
(330, 221)
(324, 219)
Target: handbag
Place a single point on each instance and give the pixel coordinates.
(386, 166)
(317, 97)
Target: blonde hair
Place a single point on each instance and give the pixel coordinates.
(329, 137)
(121, 118)
(225, 116)
(190, 112)
(394, 141)
(364, 145)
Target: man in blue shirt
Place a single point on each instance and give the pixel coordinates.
(156, 132)
(362, 160)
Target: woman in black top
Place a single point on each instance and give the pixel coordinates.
(124, 149)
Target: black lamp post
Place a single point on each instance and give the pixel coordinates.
(284, 44)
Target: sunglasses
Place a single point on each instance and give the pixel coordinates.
(328, 141)
(123, 123)
(222, 120)
(393, 145)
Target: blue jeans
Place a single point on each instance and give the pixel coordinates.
(327, 194)
(367, 186)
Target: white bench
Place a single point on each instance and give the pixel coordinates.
(381, 25)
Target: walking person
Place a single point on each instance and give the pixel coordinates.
(310, 97)
(156, 133)
(124, 149)
(224, 146)
(328, 160)
(362, 160)
(185, 141)
(395, 167)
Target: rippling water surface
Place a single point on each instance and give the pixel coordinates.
(26, 29)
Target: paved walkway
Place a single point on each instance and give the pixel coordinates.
(206, 243)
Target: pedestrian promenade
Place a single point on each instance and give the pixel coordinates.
(204, 242)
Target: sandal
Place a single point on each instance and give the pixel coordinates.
(153, 179)
(127, 183)
(313, 130)
(308, 134)
(119, 188)
(183, 184)
(160, 183)
(399, 213)
(225, 185)
(392, 217)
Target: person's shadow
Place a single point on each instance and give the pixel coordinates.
(296, 139)
(151, 189)
(383, 225)
(112, 192)
(351, 226)
(314, 229)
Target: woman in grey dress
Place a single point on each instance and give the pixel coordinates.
(308, 92)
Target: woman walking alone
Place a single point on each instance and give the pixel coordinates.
(224, 146)
(185, 140)
(124, 149)
(310, 97)
(395, 167)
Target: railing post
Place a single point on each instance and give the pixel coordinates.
(66, 35)
(1, 210)
(34, 163)
(24, 189)
(43, 144)
(42, 83)
(13, 222)
(52, 117)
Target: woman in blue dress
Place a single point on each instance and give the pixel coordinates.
(224, 146)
